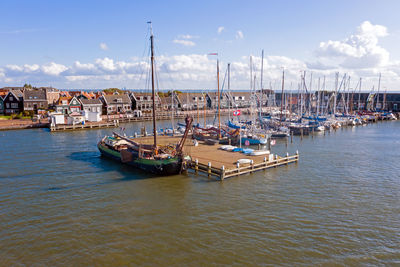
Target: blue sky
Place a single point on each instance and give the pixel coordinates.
(42, 41)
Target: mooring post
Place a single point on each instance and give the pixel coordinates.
(312, 133)
(209, 169)
(135, 135)
(297, 155)
(196, 166)
(238, 167)
(222, 172)
(287, 158)
(301, 133)
(252, 165)
(291, 137)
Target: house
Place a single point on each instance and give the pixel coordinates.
(34, 100)
(62, 105)
(212, 100)
(170, 102)
(190, 101)
(113, 104)
(144, 102)
(91, 109)
(52, 95)
(240, 99)
(67, 105)
(13, 102)
(1, 105)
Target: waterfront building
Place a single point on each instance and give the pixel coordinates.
(67, 105)
(1, 105)
(13, 102)
(114, 104)
(52, 95)
(239, 99)
(34, 100)
(144, 102)
(189, 101)
(91, 109)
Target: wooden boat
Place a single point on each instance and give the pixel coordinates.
(162, 160)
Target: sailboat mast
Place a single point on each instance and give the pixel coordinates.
(219, 104)
(153, 94)
(205, 105)
(283, 85)
(359, 96)
(229, 91)
(262, 69)
(172, 108)
(198, 112)
(379, 88)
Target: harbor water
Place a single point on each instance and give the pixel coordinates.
(63, 204)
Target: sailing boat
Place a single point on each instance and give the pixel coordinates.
(154, 158)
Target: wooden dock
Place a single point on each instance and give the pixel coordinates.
(223, 173)
(220, 164)
(66, 127)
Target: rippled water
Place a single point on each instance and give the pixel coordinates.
(62, 204)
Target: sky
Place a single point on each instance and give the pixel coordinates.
(101, 44)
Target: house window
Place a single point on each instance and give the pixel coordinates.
(7, 105)
(14, 105)
(11, 98)
(64, 102)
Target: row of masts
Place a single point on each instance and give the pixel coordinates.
(304, 94)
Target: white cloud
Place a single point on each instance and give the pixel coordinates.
(184, 42)
(53, 69)
(239, 35)
(360, 50)
(103, 46)
(187, 36)
(220, 29)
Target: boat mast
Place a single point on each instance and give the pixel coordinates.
(283, 85)
(172, 117)
(152, 88)
(229, 91)
(219, 104)
(379, 87)
(205, 105)
(318, 95)
(261, 81)
(359, 96)
(198, 112)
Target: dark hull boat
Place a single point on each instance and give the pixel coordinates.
(154, 158)
(162, 166)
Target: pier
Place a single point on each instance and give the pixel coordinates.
(73, 127)
(211, 161)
